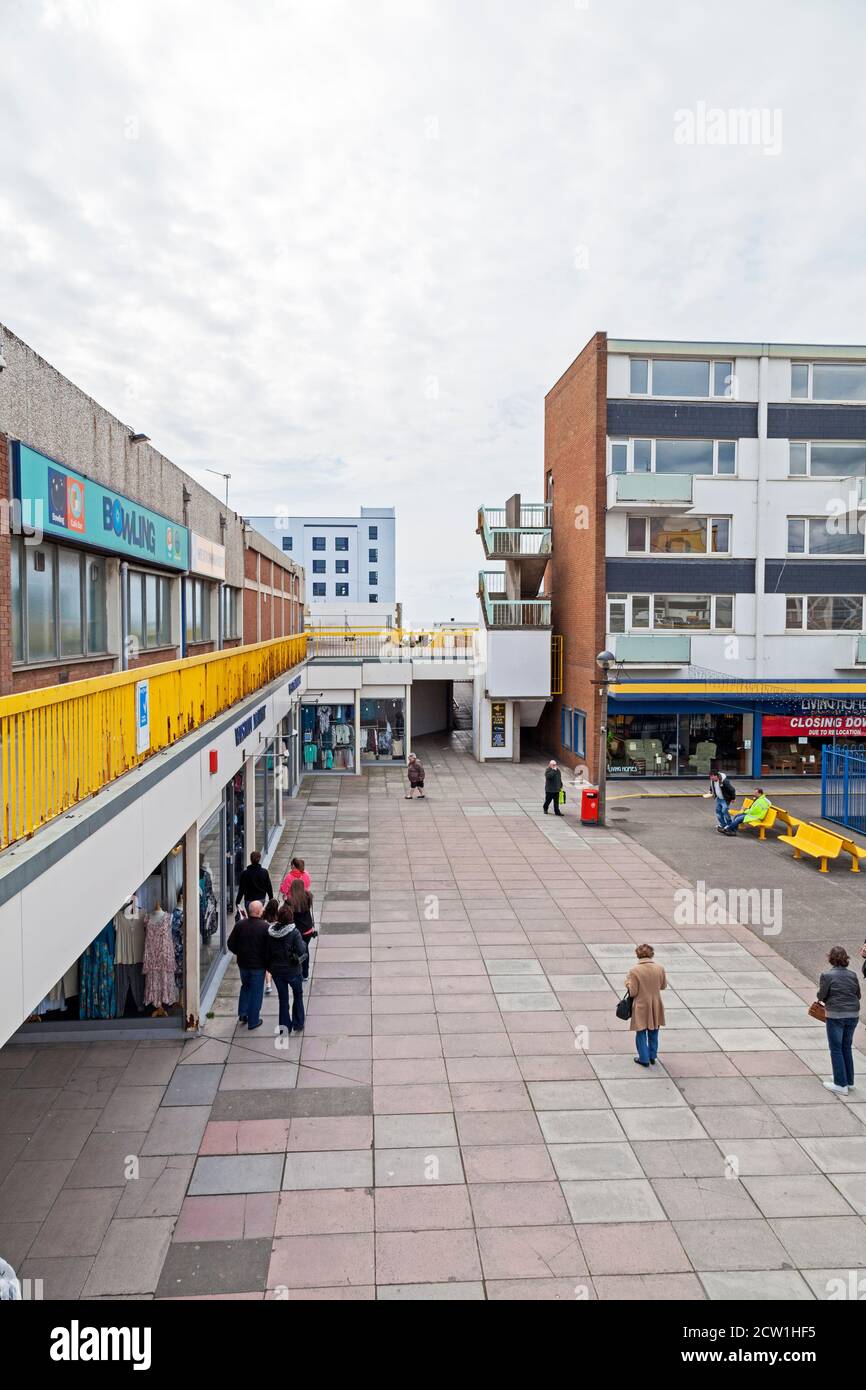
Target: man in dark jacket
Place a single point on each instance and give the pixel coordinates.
(552, 787)
(249, 942)
(254, 884)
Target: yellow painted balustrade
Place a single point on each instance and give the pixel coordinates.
(66, 742)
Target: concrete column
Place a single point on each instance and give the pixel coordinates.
(515, 731)
(191, 936)
(407, 721)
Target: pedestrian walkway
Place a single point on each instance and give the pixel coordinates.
(462, 1117)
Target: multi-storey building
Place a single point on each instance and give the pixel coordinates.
(347, 560)
(708, 513)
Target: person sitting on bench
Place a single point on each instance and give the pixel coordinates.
(753, 815)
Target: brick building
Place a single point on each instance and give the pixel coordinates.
(111, 557)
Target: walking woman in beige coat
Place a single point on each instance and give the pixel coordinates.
(645, 982)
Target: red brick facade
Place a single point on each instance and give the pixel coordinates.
(271, 590)
(575, 424)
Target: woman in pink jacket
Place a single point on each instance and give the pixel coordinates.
(296, 871)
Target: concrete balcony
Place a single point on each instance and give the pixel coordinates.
(501, 611)
(638, 492)
(849, 651)
(519, 532)
(654, 648)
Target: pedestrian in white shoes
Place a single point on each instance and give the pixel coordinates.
(839, 992)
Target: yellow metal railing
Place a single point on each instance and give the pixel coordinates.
(62, 744)
(393, 644)
(555, 665)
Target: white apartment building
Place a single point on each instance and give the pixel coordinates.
(348, 560)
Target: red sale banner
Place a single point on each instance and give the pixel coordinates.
(814, 725)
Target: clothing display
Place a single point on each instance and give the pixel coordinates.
(159, 960)
(328, 733)
(97, 997)
(177, 938)
(129, 980)
(208, 908)
(129, 928)
(383, 731)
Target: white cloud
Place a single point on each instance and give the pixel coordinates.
(331, 248)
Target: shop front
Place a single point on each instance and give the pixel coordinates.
(328, 735)
(268, 781)
(754, 730)
(383, 730)
(222, 856)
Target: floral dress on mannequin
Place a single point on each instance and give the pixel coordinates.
(159, 960)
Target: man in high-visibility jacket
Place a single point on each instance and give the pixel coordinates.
(755, 814)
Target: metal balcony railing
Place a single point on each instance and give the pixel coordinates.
(501, 611)
(392, 644)
(532, 538)
(62, 744)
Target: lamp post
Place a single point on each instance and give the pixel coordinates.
(220, 474)
(604, 660)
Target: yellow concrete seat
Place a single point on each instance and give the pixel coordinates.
(857, 852)
(815, 841)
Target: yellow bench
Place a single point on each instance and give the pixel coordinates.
(762, 826)
(857, 852)
(791, 821)
(815, 841)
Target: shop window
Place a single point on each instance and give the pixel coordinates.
(824, 613)
(58, 603)
(198, 626)
(318, 542)
(341, 566)
(328, 737)
(319, 566)
(341, 543)
(823, 535)
(373, 577)
(231, 612)
(373, 556)
(319, 590)
(150, 609)
(383, 731)
(341, 590)
(373, 533)
(287, 542)
(678, 745)
(213, 906)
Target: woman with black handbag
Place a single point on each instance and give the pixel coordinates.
(644, 984)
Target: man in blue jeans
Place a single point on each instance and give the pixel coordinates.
(249, 942)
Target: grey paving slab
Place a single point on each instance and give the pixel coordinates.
(243, 1173)
(807, 1194)
(214, 1267)
(757, 1286)
(130, 1258)
(177, 1130)
(334, 1168)
(732, 1244)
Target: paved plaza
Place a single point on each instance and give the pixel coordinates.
(462, 1117)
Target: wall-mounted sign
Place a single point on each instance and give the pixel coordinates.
(252, 722)
(70, 508)
(293, 684)
(497, 724)
(142, 716)
(206, 557)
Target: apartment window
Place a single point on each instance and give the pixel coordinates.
(681, 377)
(373, 577)
(373, 533)
(318, 542)
(287, 542)
(319, 566)
(679, 535)
(828, 381)
(694, 456)
(198, 593)
(824, 613)
(58, 603)
(670, 612)
(373, 556)
(822, 535)
(342, 590)
(341, 543)
(374, 598)
(341, 566)
(231, 612)
(818, 460)
(566, 726)
(319, 590)
(149, 609)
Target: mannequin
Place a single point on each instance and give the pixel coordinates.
(159, 961)
(129, 955)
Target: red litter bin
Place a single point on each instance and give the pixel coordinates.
(589, 807)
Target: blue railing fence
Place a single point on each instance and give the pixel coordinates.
(843, 787)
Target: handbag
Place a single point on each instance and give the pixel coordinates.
(817, 1010)
(625, 1006)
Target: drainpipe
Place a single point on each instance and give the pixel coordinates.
(124, 616)
(220, 622)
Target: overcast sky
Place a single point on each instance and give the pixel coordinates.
(341, 248)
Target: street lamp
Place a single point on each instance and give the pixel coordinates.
(604, 661)
(220, 474)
